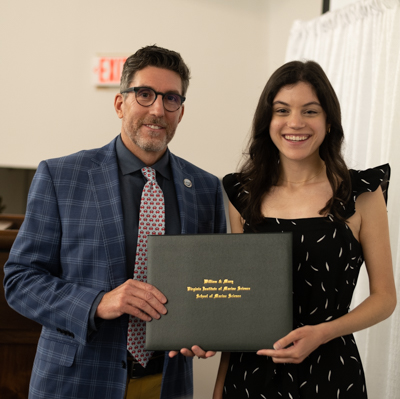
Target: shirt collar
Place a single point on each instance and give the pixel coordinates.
(129, 163)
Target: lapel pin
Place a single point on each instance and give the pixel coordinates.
(187, 183)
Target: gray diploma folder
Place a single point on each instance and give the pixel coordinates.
(226, 292)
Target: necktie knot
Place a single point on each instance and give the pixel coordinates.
(149, 173)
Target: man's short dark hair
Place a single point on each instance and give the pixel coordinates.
(158, 57)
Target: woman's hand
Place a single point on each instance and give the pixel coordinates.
(297, 345)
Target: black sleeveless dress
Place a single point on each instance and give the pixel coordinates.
(326, 263)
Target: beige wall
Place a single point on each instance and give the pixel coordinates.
(50, 108)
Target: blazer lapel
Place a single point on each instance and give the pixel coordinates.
(105, 186)
(186, 194)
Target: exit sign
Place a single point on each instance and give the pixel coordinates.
(107, 70)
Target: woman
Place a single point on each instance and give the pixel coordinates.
(295, 179)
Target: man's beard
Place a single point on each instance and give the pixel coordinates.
(150, 142)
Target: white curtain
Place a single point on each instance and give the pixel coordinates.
(358, 46)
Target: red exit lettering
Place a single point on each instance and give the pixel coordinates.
(107, 70)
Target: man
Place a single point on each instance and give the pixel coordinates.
(71, 266)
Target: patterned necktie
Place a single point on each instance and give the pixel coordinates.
(151, 222)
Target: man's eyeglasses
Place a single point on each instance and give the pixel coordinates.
(146, 96)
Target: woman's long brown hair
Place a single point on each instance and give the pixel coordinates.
(260, 170)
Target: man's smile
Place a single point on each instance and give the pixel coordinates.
(154, 127)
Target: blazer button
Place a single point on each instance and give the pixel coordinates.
(123, 364)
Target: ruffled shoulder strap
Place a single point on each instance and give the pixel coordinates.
(368, 180)
(231, 185)
(361, 181)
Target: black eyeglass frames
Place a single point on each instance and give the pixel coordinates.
(146, 97)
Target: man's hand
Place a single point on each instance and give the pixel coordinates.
(195, 351)
(135, 298)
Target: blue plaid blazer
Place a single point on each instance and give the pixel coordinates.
(71, 247)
